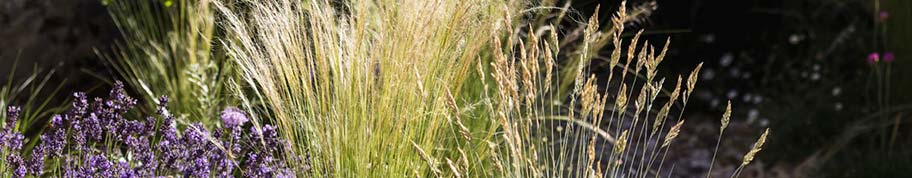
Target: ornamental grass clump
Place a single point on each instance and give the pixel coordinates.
(371, 88)
(440, 88)
(94, 138)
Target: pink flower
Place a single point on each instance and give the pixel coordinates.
(888, 57)
(873, 58)
(884, 15)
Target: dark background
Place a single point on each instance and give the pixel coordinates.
(795, 66)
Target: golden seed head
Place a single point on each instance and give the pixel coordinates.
(676, 92)
(641, 59)
(664, 49)
(621, 143)
(673, 133)
(427, 158)
(692, 79)
(757, 147)
(453, 168)
(549, 66)
(632, 47)
(726, 117)
(641, 100)
(656, 89)
(621, 102)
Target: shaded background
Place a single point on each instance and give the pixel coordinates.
(796, 66)
(44, 35)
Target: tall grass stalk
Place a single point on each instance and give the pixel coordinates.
(439, 88)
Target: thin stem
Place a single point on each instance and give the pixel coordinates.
(715, 151)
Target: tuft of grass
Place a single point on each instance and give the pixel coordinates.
(168, 50)
(367, 88)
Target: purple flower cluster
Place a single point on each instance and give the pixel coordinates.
(94, 139)
(11, 142)
(874, 58)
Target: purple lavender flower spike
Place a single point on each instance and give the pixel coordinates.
(81, 104)
(162, 106)
(14, 160)
(9, 138)
(53, 140)
(251, 165)
(120, 101)
(200, 168)
(122, 170)
(55, 146)
(14, 141)
(233, 117)
(169, 146)
(99, 166)
(224, 165)
(12, 116)
(199, 150)
(145, 157)
(92, 127)
(270, 137)
(56, 122)
(36, 163)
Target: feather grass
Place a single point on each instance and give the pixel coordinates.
(416, 88)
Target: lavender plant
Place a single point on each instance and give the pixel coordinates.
(30, 91)
(95, 139)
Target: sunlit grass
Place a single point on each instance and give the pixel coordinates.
(169, 49)
(417, 88)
